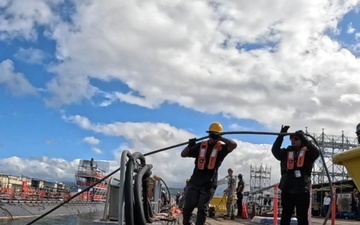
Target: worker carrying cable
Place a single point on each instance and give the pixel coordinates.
(296, 162)
(208, 155)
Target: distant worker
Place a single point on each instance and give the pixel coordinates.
(182, 199)
(163, 199)
(326, 203)
(230, 193)
(296, 162)
(358, 133)
(177, 198)
(208, 155)
(239, 195)
(267, 200)
(355, 205)
(354, 199)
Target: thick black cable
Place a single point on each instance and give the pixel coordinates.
(141, 157)
(329, 179)
(168, 191)
(145, 196)
(138, 195)
(129, 188)
(129, 192)
(185, 143)
(148, 211)
(173, 146)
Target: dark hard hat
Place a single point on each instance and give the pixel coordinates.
(358, 129)
(297, 133)
(240, 175)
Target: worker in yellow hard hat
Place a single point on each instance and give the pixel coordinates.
(208, 155)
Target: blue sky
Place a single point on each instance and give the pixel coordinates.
(81, 80)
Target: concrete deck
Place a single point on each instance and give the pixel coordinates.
(218, 220)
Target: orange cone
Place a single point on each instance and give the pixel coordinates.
(244, 213)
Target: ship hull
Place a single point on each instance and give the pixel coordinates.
(18, 209)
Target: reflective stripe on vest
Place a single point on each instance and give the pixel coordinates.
(300, 158)
(213, 155)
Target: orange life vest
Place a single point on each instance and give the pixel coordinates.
(213, 155)
(300, 158)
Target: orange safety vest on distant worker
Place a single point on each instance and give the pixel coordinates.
(213, 156)
(300, 158)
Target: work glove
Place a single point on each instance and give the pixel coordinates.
(302, 137)
(214, 135)
(284, 129)
(192, 142)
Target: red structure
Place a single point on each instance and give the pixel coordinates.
(90, 172)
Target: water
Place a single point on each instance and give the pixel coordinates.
(81, 219)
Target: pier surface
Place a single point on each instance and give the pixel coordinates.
(314, 221)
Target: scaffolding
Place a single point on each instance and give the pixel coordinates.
(90, 171)
(329, 146)
(260, 177)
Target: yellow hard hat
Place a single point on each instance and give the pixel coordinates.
(187, 180)
(215, 127)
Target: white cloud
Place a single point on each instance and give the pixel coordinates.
(239, 127)
(357, 36)
(43, 167)
(15, 82)
(174, 52)
(91, 140)
(19, 19)
(350, 29)
(178, 57)
(30, 55)
(64, 86)
(140, 101)
(96, 150)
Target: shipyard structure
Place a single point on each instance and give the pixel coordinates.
(25, 197)
(21, 187)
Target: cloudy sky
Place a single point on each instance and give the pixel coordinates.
(88, 79)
